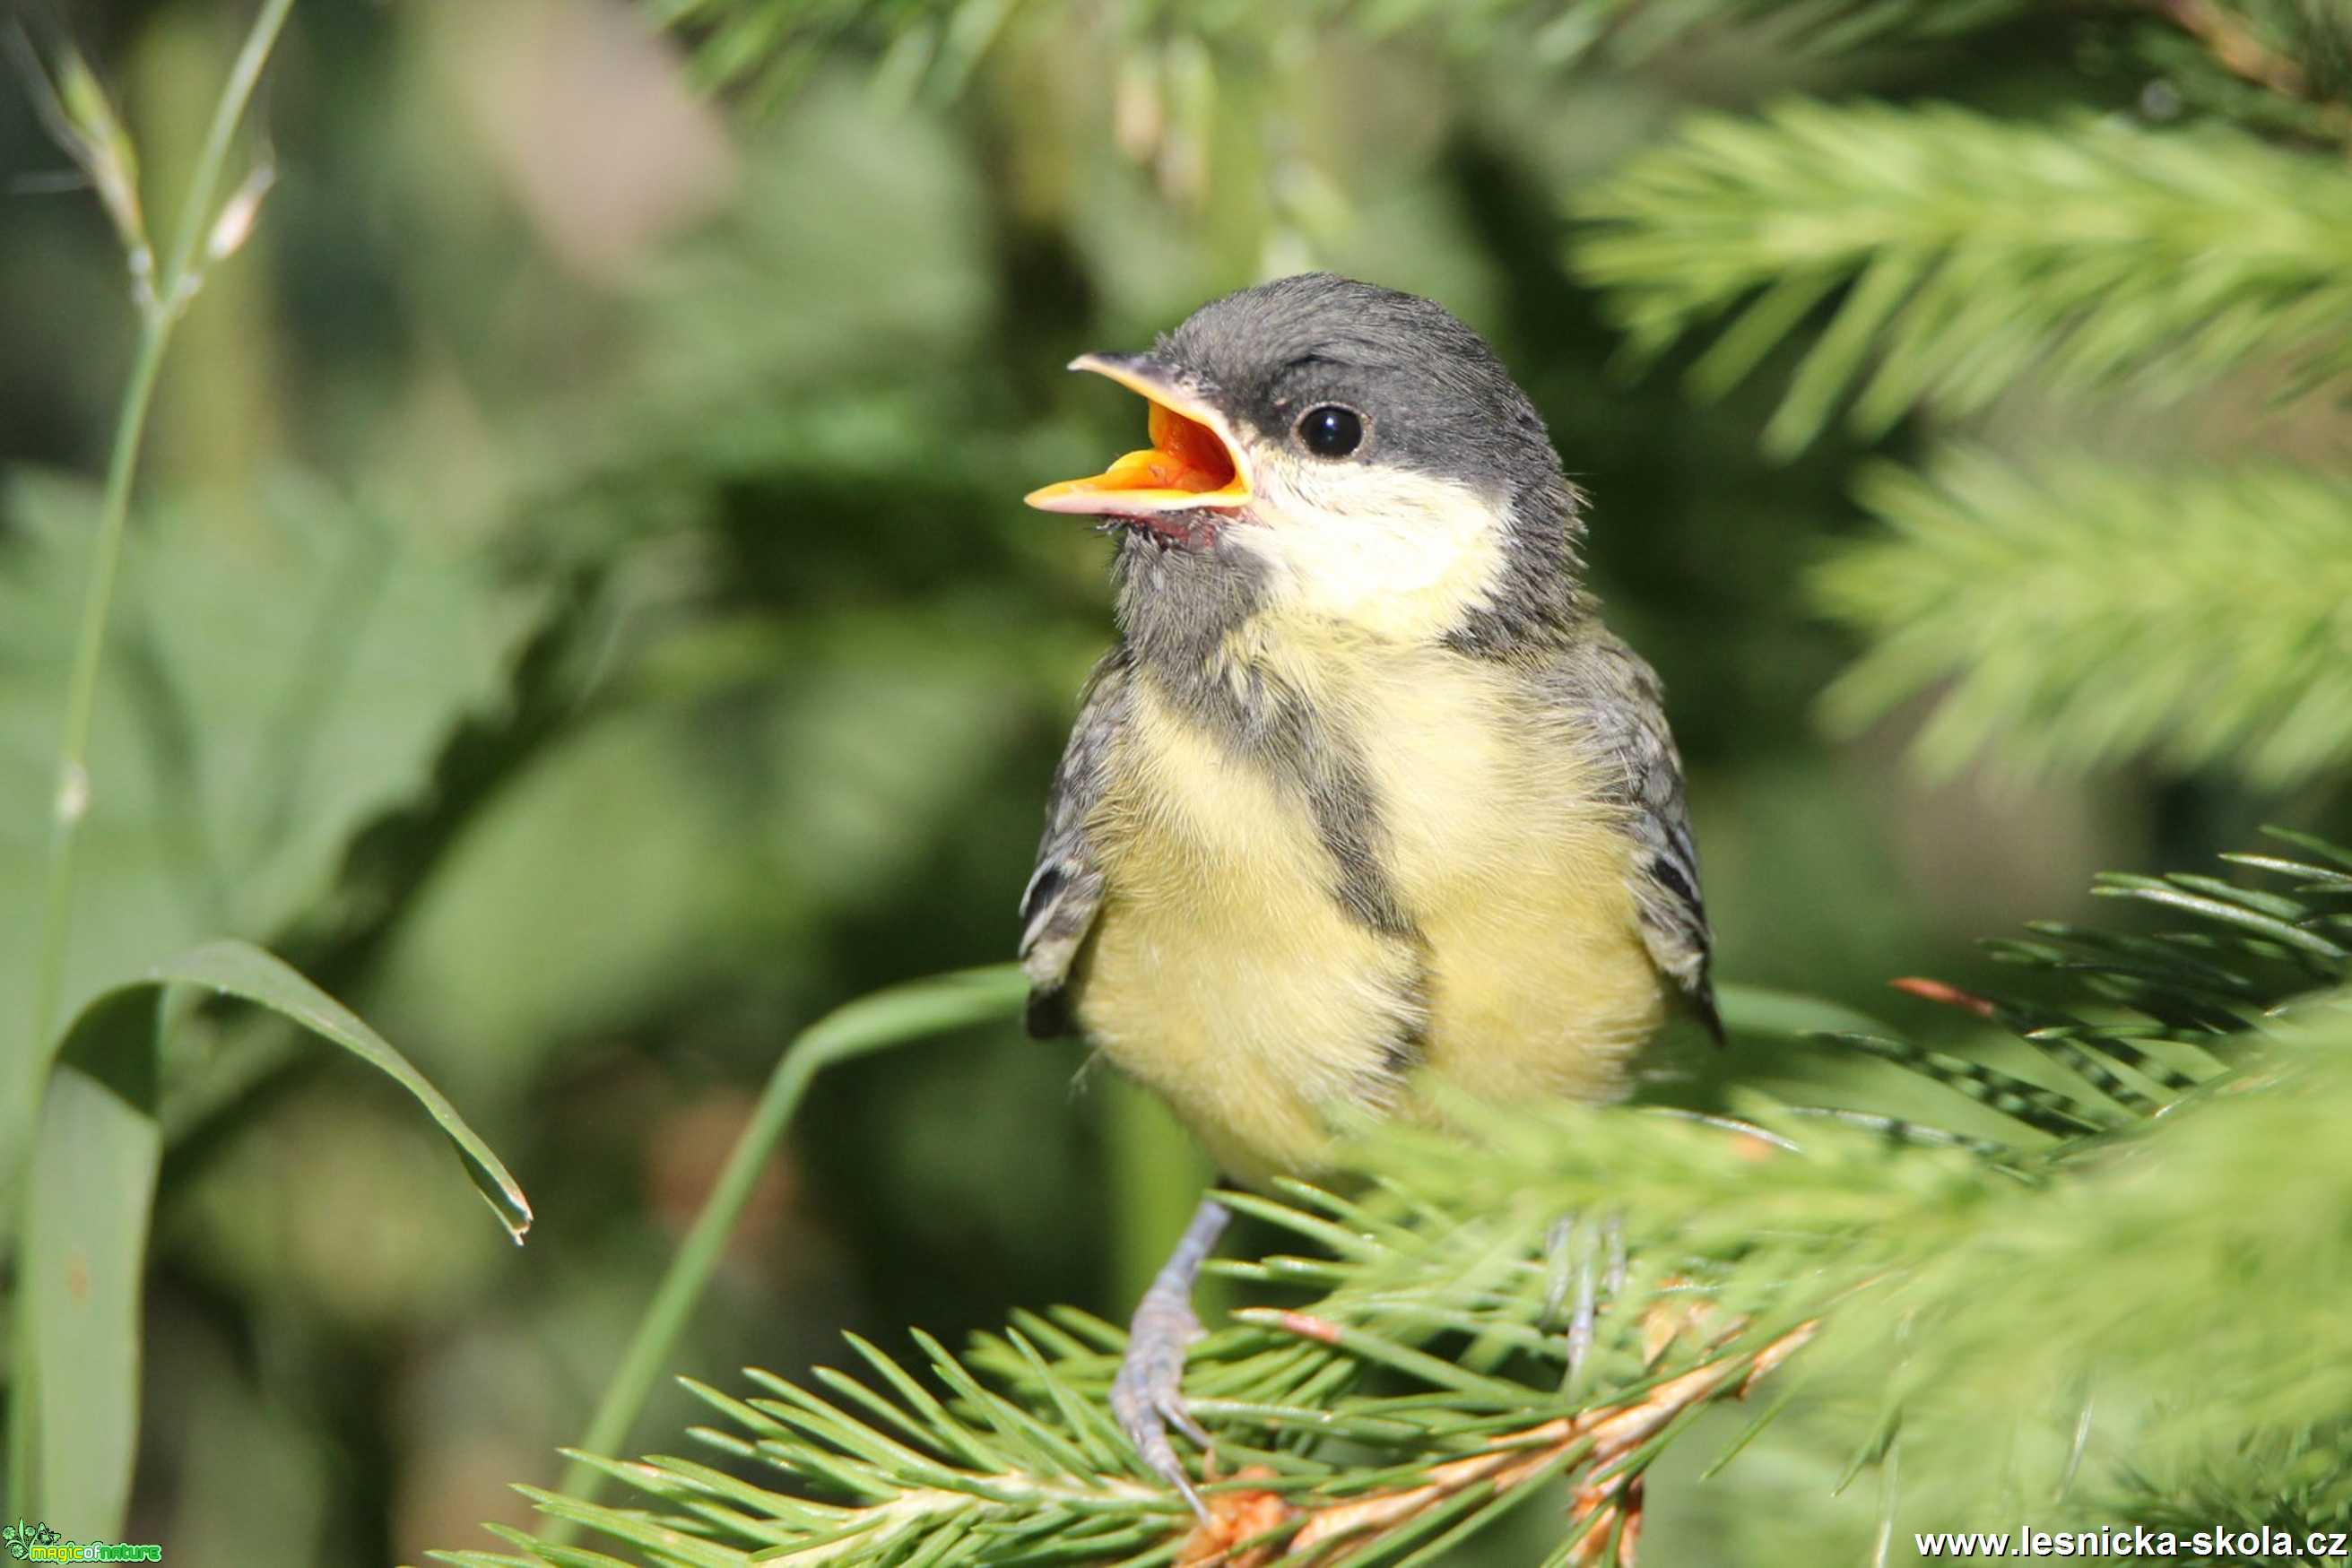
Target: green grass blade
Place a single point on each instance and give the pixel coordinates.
(898, 1015)
(96, 1145)
(96, 1149)
(243, 970)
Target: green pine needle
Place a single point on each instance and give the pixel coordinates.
(2076, 615)
(1964, 252)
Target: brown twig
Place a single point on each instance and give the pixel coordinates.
(1948, 995)
(2241, 51)
(1606, 1437)
(2236, 47)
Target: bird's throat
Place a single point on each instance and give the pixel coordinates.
(1195, 531)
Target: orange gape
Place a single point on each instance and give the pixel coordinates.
(1190, 463)
(1185, 454)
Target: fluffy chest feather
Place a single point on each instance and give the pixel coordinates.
(1417, 866)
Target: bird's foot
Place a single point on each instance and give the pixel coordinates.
(1572, 1249)
(1147, 1397)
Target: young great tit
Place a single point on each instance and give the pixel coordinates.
(1365, 786)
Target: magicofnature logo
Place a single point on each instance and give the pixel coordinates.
(30, 1540)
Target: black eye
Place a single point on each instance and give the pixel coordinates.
(1331, 431)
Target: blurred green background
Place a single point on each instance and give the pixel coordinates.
(581, 612)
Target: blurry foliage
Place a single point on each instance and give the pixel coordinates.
(935, 44)
(580, 611)
(240, 764)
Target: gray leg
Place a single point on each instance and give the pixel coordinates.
(1582, 1318)
(1148, 1395)
(1569, 1249)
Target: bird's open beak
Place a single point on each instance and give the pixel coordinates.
(1193, 460)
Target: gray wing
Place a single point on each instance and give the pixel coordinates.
(1619, 709)
(1058, 909)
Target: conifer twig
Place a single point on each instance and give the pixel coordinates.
(2237, 47)
(1952, 253)
(2073, 614)
(1594, 1441)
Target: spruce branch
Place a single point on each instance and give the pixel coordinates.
(2077, 614)
(1954, 254)
(1420, 1394)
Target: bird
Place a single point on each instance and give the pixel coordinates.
(1364, 787)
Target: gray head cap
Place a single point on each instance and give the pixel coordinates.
(1433, 394)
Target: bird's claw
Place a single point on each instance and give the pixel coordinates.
(1147, 1397)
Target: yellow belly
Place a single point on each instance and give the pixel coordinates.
(1222, 973)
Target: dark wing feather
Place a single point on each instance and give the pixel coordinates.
(1058, 909)
(1618, 708)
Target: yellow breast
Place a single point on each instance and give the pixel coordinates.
(1224, 972)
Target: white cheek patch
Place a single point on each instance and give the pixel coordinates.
(1393, 552)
